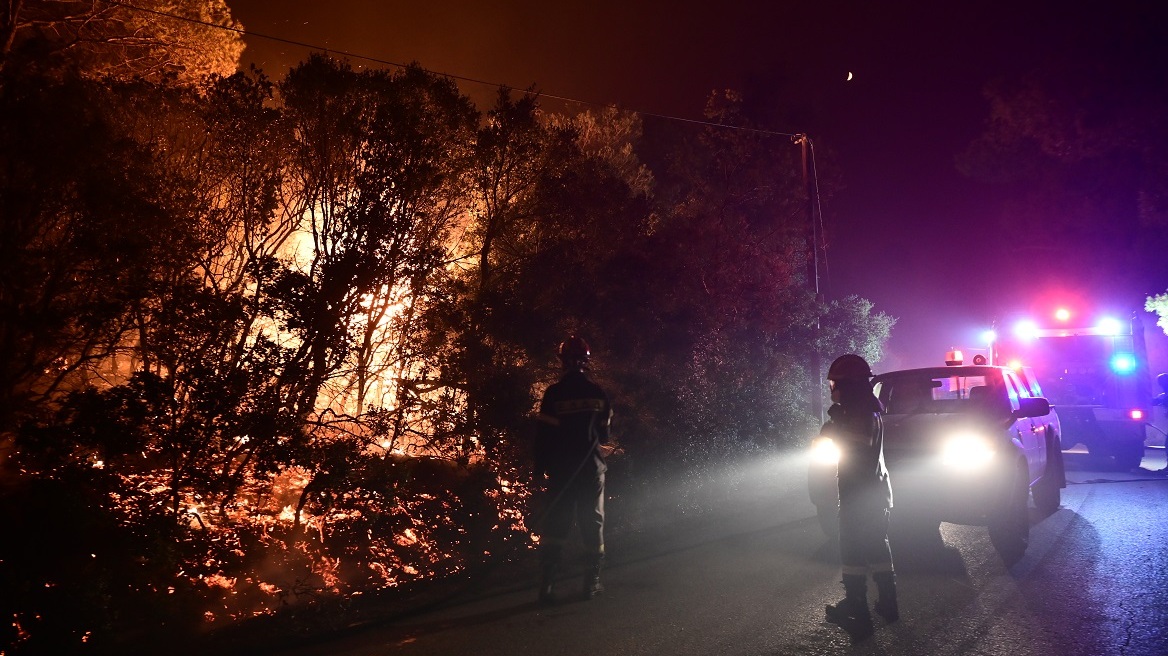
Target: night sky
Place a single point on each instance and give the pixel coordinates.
(905, 219)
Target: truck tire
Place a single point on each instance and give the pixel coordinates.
(1010, 527)
(1047, 492)
(1128, 455)
(1100, 454)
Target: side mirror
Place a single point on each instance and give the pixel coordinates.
(1032, 407)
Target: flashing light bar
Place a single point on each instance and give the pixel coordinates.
(1109, 326)
(1105, 328)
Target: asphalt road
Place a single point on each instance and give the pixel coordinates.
(747, 571)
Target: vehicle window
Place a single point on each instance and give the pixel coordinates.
(1015, 389)
(1031, 382)
(1019, 387)
(939, 394)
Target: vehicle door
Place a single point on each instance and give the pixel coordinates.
(1029, 431)
(1050, 422)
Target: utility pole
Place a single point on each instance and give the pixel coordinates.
(816, 364)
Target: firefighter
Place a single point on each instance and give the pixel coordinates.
(865, 495)
(571, 443)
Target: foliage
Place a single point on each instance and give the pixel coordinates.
(271, 343)
(1078, 146)
(178, 40)
(88, 218)
(1159, 304)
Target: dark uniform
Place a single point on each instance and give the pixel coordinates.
(864, 489)
(574, 420)
(865, 492)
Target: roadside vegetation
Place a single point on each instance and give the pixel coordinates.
(266, 345)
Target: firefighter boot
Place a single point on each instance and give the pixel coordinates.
(547, 580)
(886, 604)
(547, 585)
(854, 605)
(592, 586)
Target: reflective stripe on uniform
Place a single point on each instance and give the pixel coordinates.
(573, 406)
(548, 419)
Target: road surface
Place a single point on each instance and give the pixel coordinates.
(748, 572)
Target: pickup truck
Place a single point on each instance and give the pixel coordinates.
(966, 444)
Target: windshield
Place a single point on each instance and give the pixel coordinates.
(921, 392)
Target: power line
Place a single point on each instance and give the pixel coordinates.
(817, 220)
(354, 55)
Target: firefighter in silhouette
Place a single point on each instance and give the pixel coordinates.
(865, 494)
(571, 444)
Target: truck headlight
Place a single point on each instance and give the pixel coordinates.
(824, 451)
(967, 451)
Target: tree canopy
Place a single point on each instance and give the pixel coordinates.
(182, 40)
(1078, 146)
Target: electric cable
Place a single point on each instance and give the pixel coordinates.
(819, 244)
(818, 224)
(354, 55)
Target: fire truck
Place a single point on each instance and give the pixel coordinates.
(1094, 372)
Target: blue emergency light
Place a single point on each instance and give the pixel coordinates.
(1123, 363)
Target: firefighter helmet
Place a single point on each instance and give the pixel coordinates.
(848, 367)
(574, 352)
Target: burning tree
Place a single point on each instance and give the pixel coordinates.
(156, 39)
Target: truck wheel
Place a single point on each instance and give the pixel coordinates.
(1010, 528)
(828, 520)
(1100, 455)
(1047, 492)
(1129, 455)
